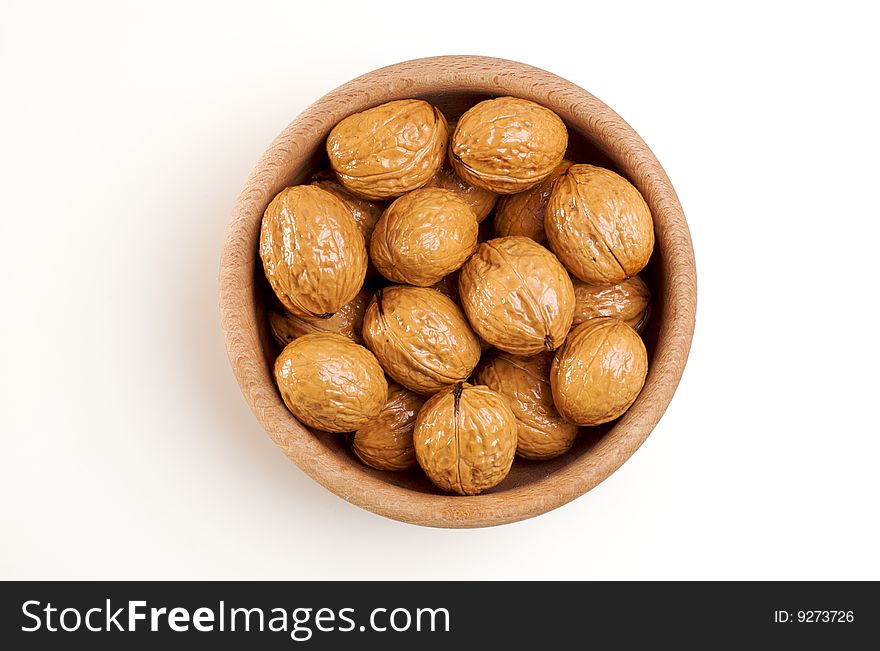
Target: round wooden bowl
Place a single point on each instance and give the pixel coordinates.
(454, 83)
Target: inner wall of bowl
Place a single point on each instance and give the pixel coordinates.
(523, 472)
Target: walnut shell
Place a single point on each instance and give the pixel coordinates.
(365, 212)
(388, 150)
(599, 225)
(523, 213)
(465, 439)
(542, 433)
(628, 300)
(330, 383)
(420, 337)
(599, 372)
(423, 236)
(313, 252)
(480, 200)
(347, 322)
(507, 144)
(386, 442)
(517, 296)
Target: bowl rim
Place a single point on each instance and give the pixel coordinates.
(287, 157)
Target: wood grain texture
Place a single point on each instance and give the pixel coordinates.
(454, 83)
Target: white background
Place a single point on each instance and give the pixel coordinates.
(126, 132)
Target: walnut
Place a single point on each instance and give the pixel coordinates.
(423, 236)
(388, 150)
(507, 144)
(599, 225)
(420, 337)
(330, 383)
(517, 296)
(599, 371)
(465, 439)
(628, 300)
(386, 442)
(312, 250)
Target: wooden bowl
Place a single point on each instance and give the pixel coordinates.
(454, 83)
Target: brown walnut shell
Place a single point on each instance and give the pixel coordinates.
(420, 337)
(525, 383)
(599, 372)
(348, 322)
(599, 225)
(330, 383)
(465, 439)
(386, 442)
(423, 236)
(507, 144)
(480, 200)
(365, 212)
(523, 213)
(517, 296)
(628, 300)
(312, 250)
(388, 150)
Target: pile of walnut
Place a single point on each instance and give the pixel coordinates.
(496, 348)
